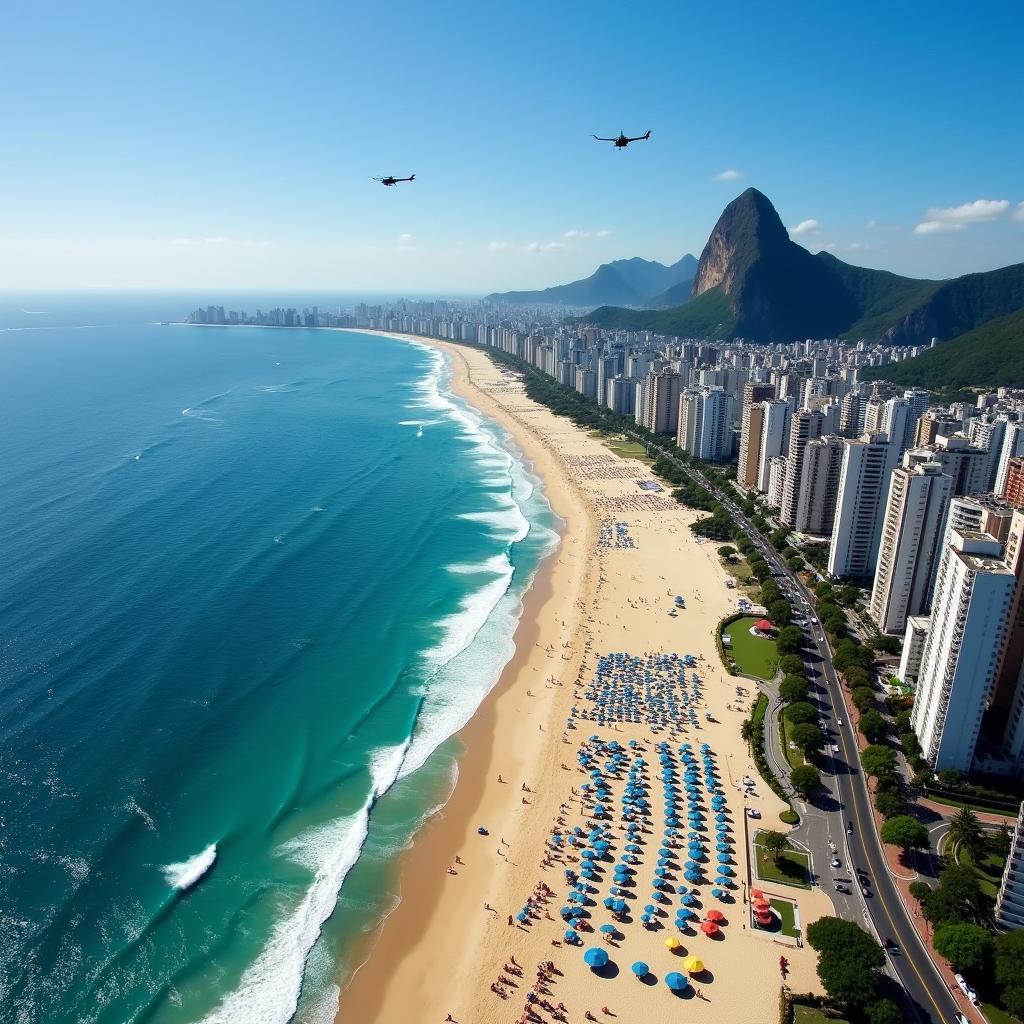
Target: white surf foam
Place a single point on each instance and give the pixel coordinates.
(494, 564)
(270, 987)
(188, 872)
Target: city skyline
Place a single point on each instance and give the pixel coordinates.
(158, 157)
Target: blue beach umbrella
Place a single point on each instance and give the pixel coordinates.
(595, 957)
(640, 969)
(717, 893)
(676, 981)
(649, 909)
(572, 936)
(608, 929)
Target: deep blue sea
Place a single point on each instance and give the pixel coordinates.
(252, 581)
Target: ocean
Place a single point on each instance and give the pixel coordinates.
(252, 582)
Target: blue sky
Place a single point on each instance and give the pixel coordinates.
(230, 144)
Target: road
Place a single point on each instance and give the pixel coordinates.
(851, 818)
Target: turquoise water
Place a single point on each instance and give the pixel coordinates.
(252, 581)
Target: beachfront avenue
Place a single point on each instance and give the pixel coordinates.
(851, 822)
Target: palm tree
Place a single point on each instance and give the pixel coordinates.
(965, 830)
(774, 844)
(747, 731)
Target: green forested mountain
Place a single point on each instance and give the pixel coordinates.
(989, 356)
(765, 287)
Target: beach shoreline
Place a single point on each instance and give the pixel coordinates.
(442, 950)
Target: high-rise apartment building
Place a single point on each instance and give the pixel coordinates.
(819, 486)
(863, 487)
(1010, 898)
(1013, 492)
(967, 465)
(804, 427)
(912, 532)
(751, 433)
(705, 423)
(1013, 447)
(969, 616)
(657, 406)
(774, 439)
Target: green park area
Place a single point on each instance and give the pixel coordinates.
(812, 1015)
(753, 655)
(989, 865)
(787, 916)
(792, 867)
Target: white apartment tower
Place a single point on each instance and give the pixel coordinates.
(774, 434)
(804, 427)
(912, 531)
(705, 423)
(819, 485)
(970, 609)
(1013, 445)
(1010, 899)
(863, 486)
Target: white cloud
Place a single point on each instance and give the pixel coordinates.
(498, 246)
(406, 239)
(858, 247)
(871, 224)
(937, 227)
(573, 233)
(1018, 214)
(969, 213)
(830, 247)
(730, 174)
(545, 247)
(604, 232)
(806, 227)
(220, 240)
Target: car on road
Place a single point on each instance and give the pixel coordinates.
(836, 862)
(842, 888)
(753, 812)
(966, 988)
(839, 722)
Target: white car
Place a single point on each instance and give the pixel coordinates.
(966, 989)
(753, 812)
(836, 863)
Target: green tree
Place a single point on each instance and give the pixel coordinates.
(791, 664)
(793, 689)
(873, 726)
(774, 844)
(886, 644)
(965, 829)
(957, 897)
(848, 960)
(726, 552)
(789, 640)
(910, 744)
(863, 698)
(805, 779)
(919, 890)
(780, 612)
(857, 676)
(877, 760)
(902, 721)
(905, 832)
(883, 1011)
(1009, 958)
(966, 946)
(808, 737)
(801, 711)
(747, 730)
(890, 804)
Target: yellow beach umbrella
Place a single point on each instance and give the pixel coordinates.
(672, 942)
(694, 965)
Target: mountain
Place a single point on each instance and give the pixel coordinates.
(988, 356)
(622, 283)
(754, 282)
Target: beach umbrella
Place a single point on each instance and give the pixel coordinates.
(608, 929)
(715, 915)
(720, 816)
(722, 880)
(723, 858)
(660, 872)
(640, 969)
(572, 936)
(595, 957)
(566, 911)
(650, 909)
(608, 901)
(620, 906)
(692, 876)
(717, 893)
(672, 942)
(676, 982)
(726, 870)
(756, 894)
(521, 918)
(664, 852)
(656, 897)
(685, 914)
(634, 848)
(693, 965)
(709, 928)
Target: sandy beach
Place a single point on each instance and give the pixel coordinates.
(448, 947)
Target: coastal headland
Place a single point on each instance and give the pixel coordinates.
(594, 658)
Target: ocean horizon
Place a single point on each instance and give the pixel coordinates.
(253, 584)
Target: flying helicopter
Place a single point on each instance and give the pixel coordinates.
(624, 140)
(390, 180)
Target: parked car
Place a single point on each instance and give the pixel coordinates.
(753, 812)
(966, 988)
(836, 862)
(841, 888)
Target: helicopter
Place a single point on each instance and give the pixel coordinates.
(624, 140)
(390, 180)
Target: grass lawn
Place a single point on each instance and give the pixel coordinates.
(629, 450)
(793, 868)
(812, 1015)
(794, 757)
(989, 868)
(787, 916)
(996, 1015)
(754, 655)
(975, 805)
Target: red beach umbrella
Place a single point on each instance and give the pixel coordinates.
(756, 894)
(763, 626)
(709, 928)
(716, 915)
